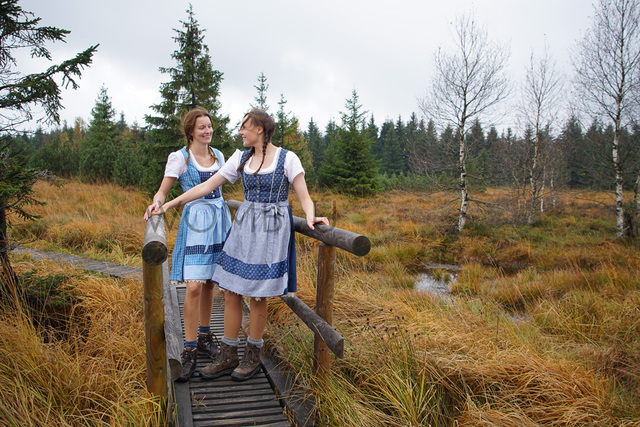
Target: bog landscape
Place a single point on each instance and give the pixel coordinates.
(539, 326)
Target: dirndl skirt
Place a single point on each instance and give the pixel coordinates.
(258, 258)
(203, 229)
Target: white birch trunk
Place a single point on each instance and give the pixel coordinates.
(464, 193)
(619, 189)
(544, 178)
(533, 179)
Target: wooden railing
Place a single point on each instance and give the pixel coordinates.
(163, 349)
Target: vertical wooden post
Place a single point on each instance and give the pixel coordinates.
(154, 329)
(154, 253)
(324, 307)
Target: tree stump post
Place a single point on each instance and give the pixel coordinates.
(154, 253)
(324, 308)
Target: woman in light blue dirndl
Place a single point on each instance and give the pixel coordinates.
(203, 229)
(258, 258)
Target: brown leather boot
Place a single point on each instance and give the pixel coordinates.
(249, 365)
(224, 363)
(208, 344)
(189, 359)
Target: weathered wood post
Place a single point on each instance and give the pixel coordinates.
(154, 253)
(324, 308)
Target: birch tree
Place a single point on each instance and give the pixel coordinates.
(469, 80)
(608, 77)
(540, 95)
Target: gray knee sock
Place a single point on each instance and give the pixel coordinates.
(258, 343)
(233, 342)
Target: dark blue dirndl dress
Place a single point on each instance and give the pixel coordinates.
(258, 259)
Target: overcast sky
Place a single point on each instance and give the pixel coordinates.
(312, 52)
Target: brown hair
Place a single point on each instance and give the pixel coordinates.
(261, 118)
(189, 124)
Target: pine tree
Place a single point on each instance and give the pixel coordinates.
(493, 171)
(287, 135)
(193, 83)
(261, 97)
(99, 148)
(478, 157)
(389, 151)
(350, 167)
(399, 158)
(572, 141)
(20, 95)
(317, 146)
(130, 162)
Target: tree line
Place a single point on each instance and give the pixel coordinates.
(445, 146)
(411, 154)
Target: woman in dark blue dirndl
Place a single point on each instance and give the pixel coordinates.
(258, 258)
(204, 226)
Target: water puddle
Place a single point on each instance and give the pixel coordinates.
(436, 278)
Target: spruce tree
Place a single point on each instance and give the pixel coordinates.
(193, 83)
(20, 96)
(398, 157)
(99, 149)
(350, 167)
(261, 97)
(287, 135)
(317, 146)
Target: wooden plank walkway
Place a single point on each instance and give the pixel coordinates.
(107, 268)
(219, 402)
(222, 401)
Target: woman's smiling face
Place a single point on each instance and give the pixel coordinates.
(250, 133)
(203, 130)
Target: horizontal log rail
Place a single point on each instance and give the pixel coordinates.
(317, 324)
(354, 243)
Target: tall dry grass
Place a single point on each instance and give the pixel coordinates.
(541, 327)
(90, 374)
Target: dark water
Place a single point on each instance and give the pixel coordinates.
(436, 278)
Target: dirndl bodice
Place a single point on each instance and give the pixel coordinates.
(203, 229)
(258, 258)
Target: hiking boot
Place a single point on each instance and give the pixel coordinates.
(189, 359)
(224, 363)
(249, 365)
(208, 344)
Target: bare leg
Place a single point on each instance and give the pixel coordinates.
(191, 310)
(232, 314)
(206, 303)
(257, 318)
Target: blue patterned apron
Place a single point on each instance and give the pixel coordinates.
(258, 258)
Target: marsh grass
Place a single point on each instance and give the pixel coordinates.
(542, 327)
(93, 374)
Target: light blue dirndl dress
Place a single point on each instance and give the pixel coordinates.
(258, 259)
(203, 229)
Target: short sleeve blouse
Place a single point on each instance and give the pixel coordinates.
(176, 164)
(292, 166)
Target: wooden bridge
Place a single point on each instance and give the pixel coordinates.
(270, 398)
